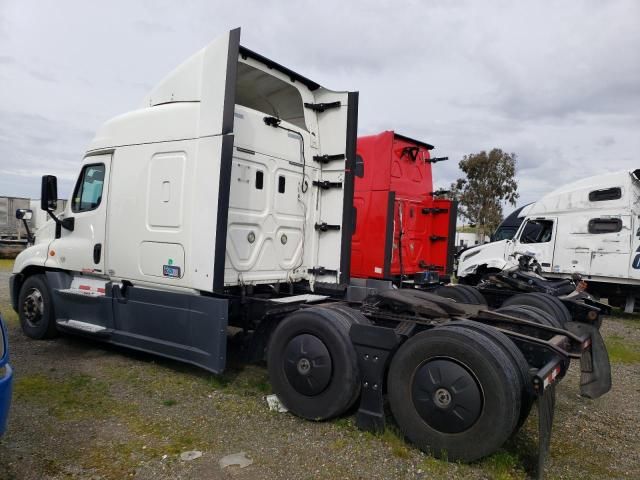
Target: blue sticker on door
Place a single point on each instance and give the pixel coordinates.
(171, 270)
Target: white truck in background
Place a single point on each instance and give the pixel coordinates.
(20, 220)
(590, 227)
(14, 235)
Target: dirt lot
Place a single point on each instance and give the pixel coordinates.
(86, 410)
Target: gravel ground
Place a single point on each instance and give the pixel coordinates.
(87, 410)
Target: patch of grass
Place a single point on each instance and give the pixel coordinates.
(218, 382)
(249, 380)
(345, 423)
(339, 444)
(504, 466)
(6, 264)
(622, 350)
(6, 310)
(394, 439)
(169, 403)
(437, 467)
(75, 397)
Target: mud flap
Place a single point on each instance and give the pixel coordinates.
(374, 346)
(546, 407)
(595, 379)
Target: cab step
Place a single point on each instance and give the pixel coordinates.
(83, 327)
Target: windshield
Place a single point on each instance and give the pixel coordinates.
(504, 233)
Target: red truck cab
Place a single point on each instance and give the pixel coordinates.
(402, 229)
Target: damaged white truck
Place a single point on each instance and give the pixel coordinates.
(227, 200)
(589, 228)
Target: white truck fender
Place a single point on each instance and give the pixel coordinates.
(492, 255)
(35, 255)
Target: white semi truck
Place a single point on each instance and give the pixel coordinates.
(590, 227)
(227, 200)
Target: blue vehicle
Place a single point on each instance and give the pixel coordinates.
(6, 377)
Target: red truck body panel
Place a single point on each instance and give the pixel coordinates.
(393, 193)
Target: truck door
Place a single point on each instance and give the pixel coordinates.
(337, 117)
(82, 249)
(610, 245)
(538, 236)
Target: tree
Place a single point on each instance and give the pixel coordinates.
(490, 181)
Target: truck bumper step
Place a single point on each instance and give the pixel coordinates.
(83, 327)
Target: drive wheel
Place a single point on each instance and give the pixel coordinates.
(475, 293)
(533, 314)
(459, 293)
(543, 301)
(312, 364)
(527, 396)
(454, 393)
(35, 309)
(563, 311)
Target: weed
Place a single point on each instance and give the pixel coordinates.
(338, 444)
(504, 466)
(6, 264)
(621, 350)
(169, 403)
(440, 468)
(395, 440)
(76, 397)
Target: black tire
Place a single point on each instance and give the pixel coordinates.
(562, 309)
(543, 301)
(313, 367)
(35, 309)
(487, 386)
(473, 291)
(533, 314)
(527, 394)
(354, 316)
(458, 293)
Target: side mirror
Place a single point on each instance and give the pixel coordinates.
(49, 193)
(24, 214)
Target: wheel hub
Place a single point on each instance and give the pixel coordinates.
(307, 364)
(442, 398)
(32, 307)
(446, 395)
(304, 366)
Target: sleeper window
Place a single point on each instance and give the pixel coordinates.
(88, 192)
(605, 194)
(605, 225)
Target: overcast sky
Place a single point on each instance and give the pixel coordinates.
(558, 83)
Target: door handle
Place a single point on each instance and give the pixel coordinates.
(97, 253)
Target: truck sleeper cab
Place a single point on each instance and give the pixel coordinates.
(233, 175)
